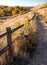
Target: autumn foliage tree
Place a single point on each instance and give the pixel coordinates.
(8, 9)
(15, 10)
(1, 12)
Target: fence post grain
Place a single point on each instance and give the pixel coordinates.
(9, 41)
(9, 58)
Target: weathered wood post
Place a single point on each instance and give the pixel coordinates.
(9, 41)
(9, 56)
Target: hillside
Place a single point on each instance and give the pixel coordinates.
(35, 27)
(40, 6)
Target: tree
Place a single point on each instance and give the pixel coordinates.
(1, 12)
(13, 12)
(8, 9)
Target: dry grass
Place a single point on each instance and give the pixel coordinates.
(24, 39)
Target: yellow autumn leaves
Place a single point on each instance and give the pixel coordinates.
(7, 10)
(26, 24)
(1, 12)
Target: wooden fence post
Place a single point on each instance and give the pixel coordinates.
(9, 41)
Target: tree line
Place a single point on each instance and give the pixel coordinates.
(7, 10)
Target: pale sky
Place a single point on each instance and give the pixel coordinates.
(21, 2)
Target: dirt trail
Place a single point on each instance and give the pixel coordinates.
(40, 55)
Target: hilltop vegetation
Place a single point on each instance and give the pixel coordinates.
(41, 9)
(40, 6)
(8, 11)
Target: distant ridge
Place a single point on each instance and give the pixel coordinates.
(40, 6)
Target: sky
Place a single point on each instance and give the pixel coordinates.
(21, 2)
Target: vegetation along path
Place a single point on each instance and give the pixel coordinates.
(40, 55)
